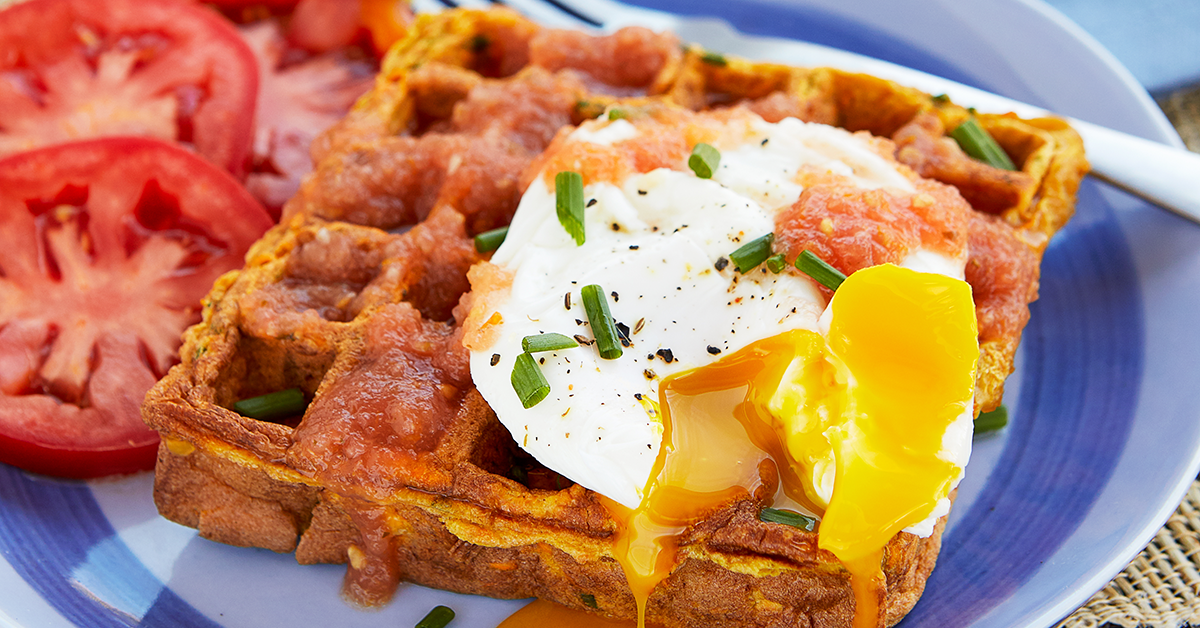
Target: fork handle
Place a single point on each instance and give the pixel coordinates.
(1164, 175)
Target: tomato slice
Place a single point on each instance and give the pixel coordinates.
(324, 25)
(300, 96)
(106, 248)
(241, 4)
(76, 69)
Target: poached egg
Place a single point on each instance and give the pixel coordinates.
(863, 402)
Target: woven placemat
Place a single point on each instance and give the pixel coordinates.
(1161, 587)
(1182, 107)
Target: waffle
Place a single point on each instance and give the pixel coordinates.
(398, 467)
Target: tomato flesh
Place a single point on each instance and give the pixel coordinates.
(106, 248)
(76, 69)
(297, 101)
(325, 25)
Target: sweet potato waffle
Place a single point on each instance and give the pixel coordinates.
(398, 466)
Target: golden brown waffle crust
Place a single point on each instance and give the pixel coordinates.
(736, 571)
(460, 523)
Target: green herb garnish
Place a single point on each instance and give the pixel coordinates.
(519, 474)
(992, 420)
(603, 328)
(589, 109)
(568, 201)
(704, 160)
(748, 256)
(589, 600)
(714, 58)
(977, 143)
(787, 517)
(479, 43)
(272, 406)
(815, 267)
(617, 114)
(490, 240)
(437, 618)
(547, 342)
(776, 263)
(528, 381)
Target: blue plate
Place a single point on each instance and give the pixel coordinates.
(1104, 429)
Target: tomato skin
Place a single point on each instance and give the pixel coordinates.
(106, 248)
(79, 464)
(159, 68)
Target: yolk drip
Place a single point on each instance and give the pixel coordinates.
(545, 614)
(853, 425)
(710, 457)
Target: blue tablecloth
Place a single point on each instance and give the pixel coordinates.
(1158, 40)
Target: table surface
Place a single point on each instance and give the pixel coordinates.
(1158, 40)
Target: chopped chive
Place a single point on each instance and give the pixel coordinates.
(714, 58)
(568, 199)
(589, 109)
(547, 342)
(787, 517)
(589, 600)
(776, 263)
(751, 254)
(977, 143)
(272, 406)
(815, 267)
(603, 328)
(704, 160)
(628, 113)
(479, 43)
(528, 381)
(518, 473)
(437, 618)
(490, 240)
(940, 99)
(992, 420)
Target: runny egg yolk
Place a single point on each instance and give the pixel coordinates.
(852, 421)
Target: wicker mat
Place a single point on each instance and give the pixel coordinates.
(1161, 587)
